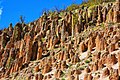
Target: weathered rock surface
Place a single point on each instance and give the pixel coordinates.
(82, 44)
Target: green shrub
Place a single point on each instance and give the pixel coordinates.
(82, 68)
(87, 61)
(63, 78)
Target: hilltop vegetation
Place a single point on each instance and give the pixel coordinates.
(79, 43)
(87, 3)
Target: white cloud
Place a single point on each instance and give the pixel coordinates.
(1, 10)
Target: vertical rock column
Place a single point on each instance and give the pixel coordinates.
(99, 15)
(52, 34)
(80, 18)
(117, 12)
(94, 13)
(62, 33)
(72, 25)
(69, 23)
(3, 40)
(10, 30)
(35, 50)
(28, 46)
(86, 15)
(44, 21)
(40, 50)
(76, 37)
(17, 32)
(104, 14)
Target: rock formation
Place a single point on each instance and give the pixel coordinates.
(81, 44)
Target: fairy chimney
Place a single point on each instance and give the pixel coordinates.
(97, 41)
(117, 12)
(46, 69)
(111, 60)
(95, 66)
(114, 75)
(63, 65)
(82, 47)
(106, 72)
(91, 43)
(36, 68)
(90, 77)
(39, 54)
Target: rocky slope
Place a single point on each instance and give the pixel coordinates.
(83, 44)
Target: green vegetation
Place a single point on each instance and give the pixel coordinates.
(63, 78)
(63, 73)
(9, 63)
(43, 39)
(87, 61)
(72, 7)
(82, 68)
(75, 19)
(3, 44)
(88, 3)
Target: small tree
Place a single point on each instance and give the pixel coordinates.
(22, 19)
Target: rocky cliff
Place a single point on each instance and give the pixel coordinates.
(82, 44)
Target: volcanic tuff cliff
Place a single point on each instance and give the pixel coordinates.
(82, 44)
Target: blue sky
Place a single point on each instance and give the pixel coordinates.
(10, 10)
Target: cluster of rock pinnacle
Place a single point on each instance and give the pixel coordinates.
(83, 44)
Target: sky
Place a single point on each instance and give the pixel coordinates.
(11, 10)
